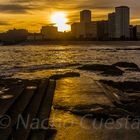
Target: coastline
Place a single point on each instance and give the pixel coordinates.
(67, 42)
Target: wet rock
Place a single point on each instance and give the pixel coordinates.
(113, 71)
(127, 65)
(62, 107)
(126, 86)
(99, 111)
(51, 131)
(104, 69)
(103, 113)
(68, 74)
(117, 112)
(94, 67)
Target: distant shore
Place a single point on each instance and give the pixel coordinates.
(121, 43)
(67, 42)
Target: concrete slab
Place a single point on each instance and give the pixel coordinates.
(80, 91)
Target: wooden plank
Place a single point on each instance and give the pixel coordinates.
(44, 113)
(31, 111)
(17, 108)
(14, 92)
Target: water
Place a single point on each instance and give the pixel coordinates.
(42, 61)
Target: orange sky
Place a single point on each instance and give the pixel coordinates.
(32, 14)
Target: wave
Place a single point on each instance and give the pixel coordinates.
(44, 67)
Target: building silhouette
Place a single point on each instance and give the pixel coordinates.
(102, 30)
(88, 29)
(49, 32)
(137, 27)
(84, 30)
(85, 16)
(111, 26)
(122, 22)
(14, 36)
(117, 27)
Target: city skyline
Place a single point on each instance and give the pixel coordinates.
(32, 14)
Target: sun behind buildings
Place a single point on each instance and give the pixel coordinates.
(59, 19)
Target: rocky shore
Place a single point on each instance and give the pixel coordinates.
(125, 95)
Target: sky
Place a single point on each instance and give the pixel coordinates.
(32, 14)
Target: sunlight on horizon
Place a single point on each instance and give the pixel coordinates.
(59, 19)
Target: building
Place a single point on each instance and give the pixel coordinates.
(86, 28)
(133, 32)
(122, 22)
(85, 16)
(49, 32)
(111, 25)
(14, 36)
(116, 27)
(138, 32)
(35, 37)
(102, 30)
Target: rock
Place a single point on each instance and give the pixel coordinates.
(103, 113)
(51, 131)
(95, 67)
(68, 74)
(62, 107)
(126, 86)
(113, 71)
(109, 70)
(126, 65)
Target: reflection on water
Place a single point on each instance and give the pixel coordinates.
(29, 59)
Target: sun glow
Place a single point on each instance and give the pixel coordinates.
(59, 19)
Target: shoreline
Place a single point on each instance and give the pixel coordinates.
(66, 42)
(82, 43)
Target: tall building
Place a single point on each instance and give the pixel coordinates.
(138, 32)
(111, 25)
(122, 17)
(102, 30)
(85, 16)
(133, 32)
(85, 29)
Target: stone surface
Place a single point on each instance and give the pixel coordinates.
(104, 69)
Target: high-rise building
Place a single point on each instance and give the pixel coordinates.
(102, 30)
(111, 25)
(138, 32)
(122, 17)
(85, 29)
(85, 16)
(133, 32)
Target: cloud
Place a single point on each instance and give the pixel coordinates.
(3, 23)
(33, 11)
(14, 8)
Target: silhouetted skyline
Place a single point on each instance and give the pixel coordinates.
(32, 14)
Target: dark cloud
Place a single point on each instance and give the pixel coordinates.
(3, 23)
(15, 8)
